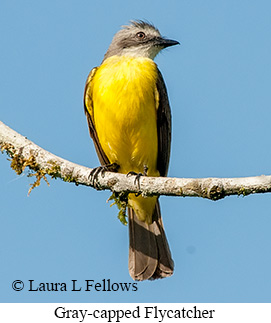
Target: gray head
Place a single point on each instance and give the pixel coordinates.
(139, 39)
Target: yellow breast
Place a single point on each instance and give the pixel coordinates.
(125, 102)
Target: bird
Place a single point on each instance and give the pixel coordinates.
(129, 120)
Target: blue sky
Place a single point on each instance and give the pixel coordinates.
(219, 86)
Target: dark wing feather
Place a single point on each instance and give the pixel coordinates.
(89, 111)
(163, 127)
(149, 253)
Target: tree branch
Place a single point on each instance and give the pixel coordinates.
(24, 153)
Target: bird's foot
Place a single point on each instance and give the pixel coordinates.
(137, 176)
(93, 175)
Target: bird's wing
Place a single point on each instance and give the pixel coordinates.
(149, 253)
(163, 127)
(89, 111)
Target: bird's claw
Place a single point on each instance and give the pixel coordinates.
(137, 176)
(93, 175)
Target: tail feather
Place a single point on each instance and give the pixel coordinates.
(149, 253)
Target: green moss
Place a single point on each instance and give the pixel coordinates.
(20, 163)
(8, 148)
(40, 174)
(243, 191)
(54, 171)
(121, 200)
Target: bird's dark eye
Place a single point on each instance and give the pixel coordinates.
(140, 35)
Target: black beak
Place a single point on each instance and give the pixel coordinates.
(164, 42)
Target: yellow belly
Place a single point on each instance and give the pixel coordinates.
(125, 105)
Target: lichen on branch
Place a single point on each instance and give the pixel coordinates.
(23, 154)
